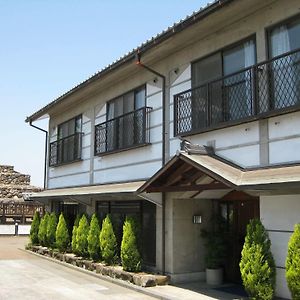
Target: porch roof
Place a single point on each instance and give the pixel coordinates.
(202, 172)
(93, 190)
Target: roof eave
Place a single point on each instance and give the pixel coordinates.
(143, 48)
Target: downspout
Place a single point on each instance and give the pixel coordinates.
(46, 141)
(139, 63)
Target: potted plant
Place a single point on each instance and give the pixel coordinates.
(215, 245)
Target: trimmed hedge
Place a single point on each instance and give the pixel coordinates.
(257, 263)
(81, 237)
(130, 256)
(42, 235)
(34, 229)
(93, 239)
(74, 234)
(108, 242)
(292, 263)
(51, 230)
(62, 234)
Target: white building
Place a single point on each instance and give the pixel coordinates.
(226, 77)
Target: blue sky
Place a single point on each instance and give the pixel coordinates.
(47, 47)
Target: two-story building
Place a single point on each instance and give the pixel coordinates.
(123, 141)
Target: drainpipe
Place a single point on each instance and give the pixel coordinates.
(139, 63)
(46, 141)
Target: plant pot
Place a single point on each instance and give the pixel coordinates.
(214, 276)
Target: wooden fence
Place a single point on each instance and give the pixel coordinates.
(19, 212)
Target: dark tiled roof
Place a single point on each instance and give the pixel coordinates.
(142, 48)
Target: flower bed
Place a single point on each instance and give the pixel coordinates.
(141, 279)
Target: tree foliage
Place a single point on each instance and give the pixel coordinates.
(62, 234)
(130, 256)
(292, 263)
(257, 264)
(108, 242)
(74, 234)
(42, 235)
(34, 229)
(51, 230)
(81, 236)
(93, 239)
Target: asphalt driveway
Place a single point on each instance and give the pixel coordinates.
(25, 276)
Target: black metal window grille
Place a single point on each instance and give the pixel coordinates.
(265, 88)
(123, 132)
(66, 150)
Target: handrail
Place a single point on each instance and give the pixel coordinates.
(240, 71)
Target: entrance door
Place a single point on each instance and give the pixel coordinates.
(237, 209)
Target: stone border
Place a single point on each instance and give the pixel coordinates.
(115, 272)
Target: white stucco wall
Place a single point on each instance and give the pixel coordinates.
(279, 214)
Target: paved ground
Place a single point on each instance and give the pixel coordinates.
(25, 276)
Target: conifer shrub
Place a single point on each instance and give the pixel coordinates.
(74, 235)
(42, 235)
(108, 241)
(62, 234)
(93, 239)
(34, 229)
(81, 236)
(292, 263)
(130, 256)
(51, 230)
(257, 264)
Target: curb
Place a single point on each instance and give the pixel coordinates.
(121, 283)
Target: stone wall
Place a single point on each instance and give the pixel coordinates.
(13, 184)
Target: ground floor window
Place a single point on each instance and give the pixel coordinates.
(70, 211)
(145, 214)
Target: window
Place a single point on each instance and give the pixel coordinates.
(285, 38)
(143, 212)
(231, 96)
(126, 125)
(67, 148)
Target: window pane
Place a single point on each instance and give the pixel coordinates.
(285, 38)
(294, 35)
(206, 69)
(128, 102)
(140, 98)
(239, 57)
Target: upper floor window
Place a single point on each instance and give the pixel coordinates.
(284, 38)
(127, 123)
(284, 44)
(228, 87)
(220, 89)
(67, 148)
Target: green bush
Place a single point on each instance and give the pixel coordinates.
(81, 236)
(34, 229)
(93, 239)
(43, 230)
(257, 264)
(130, 256)
(51, 230)
(108, 242)
(62, 234)
(292, 263)
(74, 234)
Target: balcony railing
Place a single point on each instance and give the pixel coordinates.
(264, 89)
(124, 132)
(65, 150)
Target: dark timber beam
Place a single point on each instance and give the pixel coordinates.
(193, 187)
